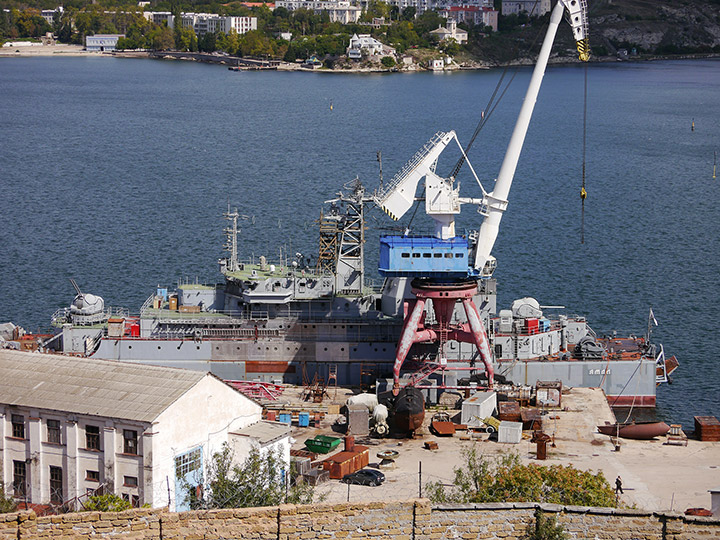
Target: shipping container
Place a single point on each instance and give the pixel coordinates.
(477, 407)
(510, 432)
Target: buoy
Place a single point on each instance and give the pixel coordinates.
(692, 126)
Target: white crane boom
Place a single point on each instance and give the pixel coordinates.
(497, 200)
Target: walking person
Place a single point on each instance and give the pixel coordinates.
(618, 486)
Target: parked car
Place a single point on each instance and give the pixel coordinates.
(365, 477)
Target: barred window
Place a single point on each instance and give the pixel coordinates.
(19, 478)
(56, 485)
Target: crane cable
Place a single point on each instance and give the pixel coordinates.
(583, 193)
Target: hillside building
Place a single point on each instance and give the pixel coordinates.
(472, 15)
(72, 427)
(366, 44)
(203, 23)
(451, 31)
(339, 11)
(534, 8)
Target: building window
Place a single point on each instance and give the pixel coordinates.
(130, 481)
(19, 478)
(130, 446)
(53, 431)
(18, 426)
(56, 485)
(92, 476)
(188, 462)
(92, 437)
(135, 500)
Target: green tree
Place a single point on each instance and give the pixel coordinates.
(408, 13)
(507, 479)
(188, 40)
(259, 481)
(106, 503)
(160, 38)
(388, 61)
(7, 503)
(376, 9)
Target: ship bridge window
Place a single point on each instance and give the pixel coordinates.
(405, 255)
(416, 255)
(459, 255)
(437, 255)
(448, 255)
(427, 255)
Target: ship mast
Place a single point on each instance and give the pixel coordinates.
(231, 234)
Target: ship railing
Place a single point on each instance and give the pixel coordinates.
(412, 163)
(65, 315)
(60, 317)
(147, 304)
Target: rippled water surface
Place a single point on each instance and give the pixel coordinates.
(115, 172)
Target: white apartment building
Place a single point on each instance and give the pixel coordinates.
(72, 426)
(531, 7)
(203, 23)
(339, 11)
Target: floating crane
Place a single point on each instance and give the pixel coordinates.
(445, 267)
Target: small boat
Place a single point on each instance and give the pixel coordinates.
(635, 430)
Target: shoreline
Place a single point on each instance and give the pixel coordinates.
(64, 50)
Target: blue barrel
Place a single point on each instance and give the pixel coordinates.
(285, 418)
(304, 419)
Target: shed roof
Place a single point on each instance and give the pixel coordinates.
(265, 431)
(87, 386)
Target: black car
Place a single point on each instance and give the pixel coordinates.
(365, 477)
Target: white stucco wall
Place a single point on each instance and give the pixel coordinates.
(202, 417)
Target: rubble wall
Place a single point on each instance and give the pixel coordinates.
(408, 520)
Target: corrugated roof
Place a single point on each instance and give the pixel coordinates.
(87, 386)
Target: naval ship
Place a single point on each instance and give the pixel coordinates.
(432, 324)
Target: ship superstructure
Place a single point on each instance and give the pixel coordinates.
(283, 321)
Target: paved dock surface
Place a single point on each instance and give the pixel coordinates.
(656, 476)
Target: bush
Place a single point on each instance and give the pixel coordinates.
(507, 479)
(106, 503)
(7, 503)
(388, 61)
(544, 528)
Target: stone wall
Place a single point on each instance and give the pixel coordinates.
(407, 520)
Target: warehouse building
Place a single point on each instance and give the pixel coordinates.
(71, 427)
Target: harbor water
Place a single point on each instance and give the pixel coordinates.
(115, 172)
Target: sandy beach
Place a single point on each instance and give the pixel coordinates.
(59, 49)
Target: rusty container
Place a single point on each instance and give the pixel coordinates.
(349, 443)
